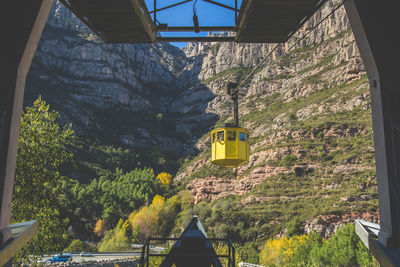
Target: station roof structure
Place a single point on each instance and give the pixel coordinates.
(193, 248)
(256, 21)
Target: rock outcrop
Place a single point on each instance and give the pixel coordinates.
(92, 83)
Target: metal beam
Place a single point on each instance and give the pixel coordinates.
(247, 5)
(236, 12)
(21, 234)
(155, 11)
(170, 6)
(195, 39)
(368, 232)
(221, 5)
(202, 29)
(142, 12)
(83, 19)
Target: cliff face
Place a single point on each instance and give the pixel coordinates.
(328, 57)
(104, 90)
(307, 109)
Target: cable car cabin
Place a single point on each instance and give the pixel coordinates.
(230, 146)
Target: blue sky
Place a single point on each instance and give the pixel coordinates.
(182, 15)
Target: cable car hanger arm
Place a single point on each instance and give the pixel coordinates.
(186, 1)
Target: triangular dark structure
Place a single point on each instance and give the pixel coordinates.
(193, 249)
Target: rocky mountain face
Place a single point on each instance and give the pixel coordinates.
(104, 89)
(307, 109)
(117, 97)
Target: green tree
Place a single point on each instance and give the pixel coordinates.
(187, 199)
(301, 256)
(41, 151)
(344, 248)
(106, 199)
(75, 246)
(249, 252)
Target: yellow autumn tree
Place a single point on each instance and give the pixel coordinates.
(100, 228)
(145, 222)
(279, 252)
(157, 219)
(164, 178)
(116, 239)
(272, 252)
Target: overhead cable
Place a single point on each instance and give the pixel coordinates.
(166, 60)
(289, 49)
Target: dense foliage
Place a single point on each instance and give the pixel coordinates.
(106, 200)
(41, 151)
(64, 207)
(344, 248)
(157, 219)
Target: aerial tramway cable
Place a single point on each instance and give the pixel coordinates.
(241, 84)
(289, 49)
(166, 60)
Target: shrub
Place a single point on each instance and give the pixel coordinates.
(75, 246)
(249, 253)
(344, 248)
(288, 160)
(294, 227)
(116, 239)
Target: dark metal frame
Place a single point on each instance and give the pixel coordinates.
(368, 233)
(85, 20)
(233, 92)
(163, 27)
(145, 255)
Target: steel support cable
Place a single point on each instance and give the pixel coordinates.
(267, 56)
(289, 49)
(166, 60)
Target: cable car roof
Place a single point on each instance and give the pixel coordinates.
(257, 21)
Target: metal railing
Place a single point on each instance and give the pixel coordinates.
(145, 256)
(245, 264)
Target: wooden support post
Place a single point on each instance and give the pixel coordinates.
(375, 27)
(20, 37)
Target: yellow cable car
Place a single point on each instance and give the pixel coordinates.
(230, 145)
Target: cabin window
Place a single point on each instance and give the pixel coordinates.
(242, 136)
(231, 136)
(213, 138)
(220, 136)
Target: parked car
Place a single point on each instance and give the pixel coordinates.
(86, 254)
(61, 258)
